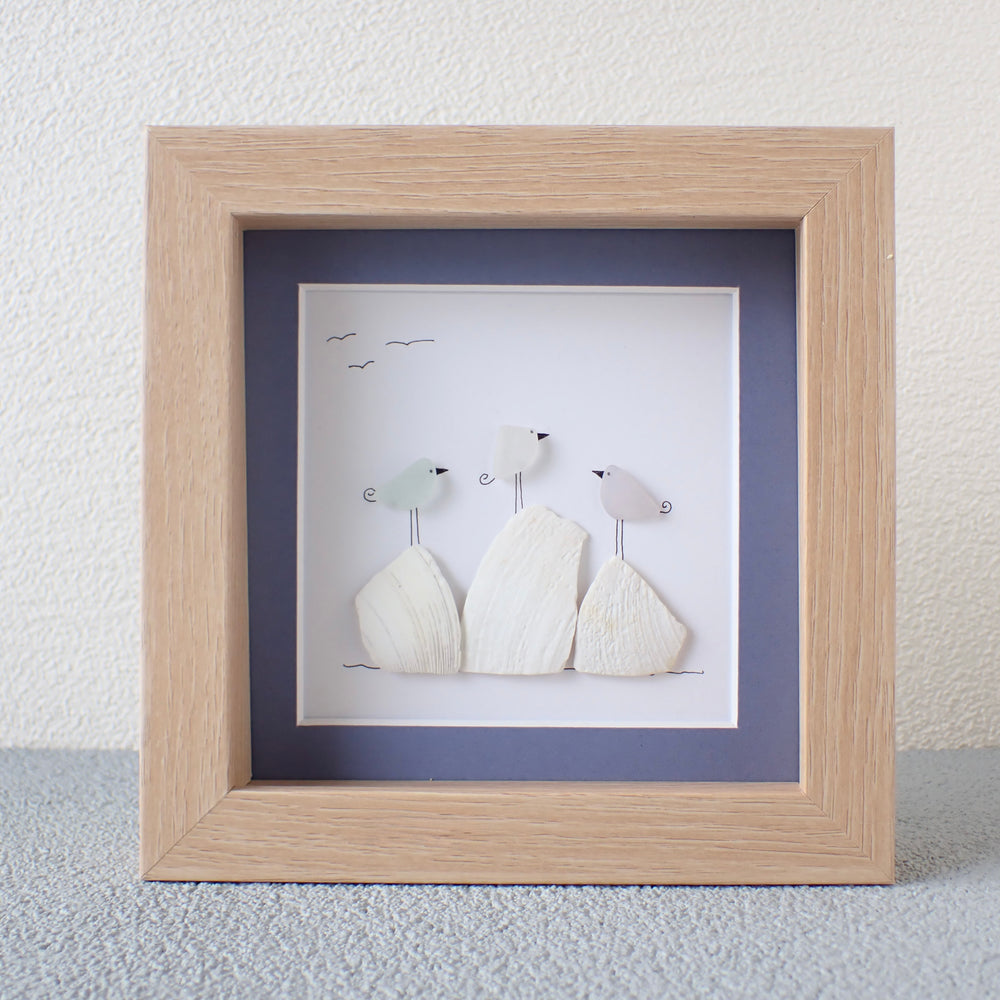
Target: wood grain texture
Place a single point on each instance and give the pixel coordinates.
(847, 504)
(514, 833)
(201, 816)
(195, 741)
(524, 177)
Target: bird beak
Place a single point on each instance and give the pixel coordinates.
(540, 436)
(598, 472)
(439, 471)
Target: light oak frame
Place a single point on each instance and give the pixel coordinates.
(202, 817)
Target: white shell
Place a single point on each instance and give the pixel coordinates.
(520, 614)
(624, 629)
(408, 619)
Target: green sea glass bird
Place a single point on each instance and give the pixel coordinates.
(412, 489)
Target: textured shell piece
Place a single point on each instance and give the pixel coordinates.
(408, 618)
(520, 615)
(624, 629)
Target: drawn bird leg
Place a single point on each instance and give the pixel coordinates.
(415, 525)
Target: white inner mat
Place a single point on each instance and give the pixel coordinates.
(643, 378)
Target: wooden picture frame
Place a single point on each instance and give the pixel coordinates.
(202, 817)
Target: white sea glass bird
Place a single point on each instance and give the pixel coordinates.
(516, 449)
(626, 499)
(412, 489)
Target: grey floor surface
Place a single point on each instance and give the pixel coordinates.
(75, 921)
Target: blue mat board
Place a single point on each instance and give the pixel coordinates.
(765, 746)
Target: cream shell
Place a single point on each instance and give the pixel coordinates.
(408, 618)
(520, 614)
(624, 629)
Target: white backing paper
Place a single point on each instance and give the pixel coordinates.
(643, 378)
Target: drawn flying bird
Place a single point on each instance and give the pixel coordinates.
(626, 499)
(413, 488)
(516, 449)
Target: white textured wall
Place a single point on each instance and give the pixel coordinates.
(78, 80)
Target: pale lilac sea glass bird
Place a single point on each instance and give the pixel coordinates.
(626, 499)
